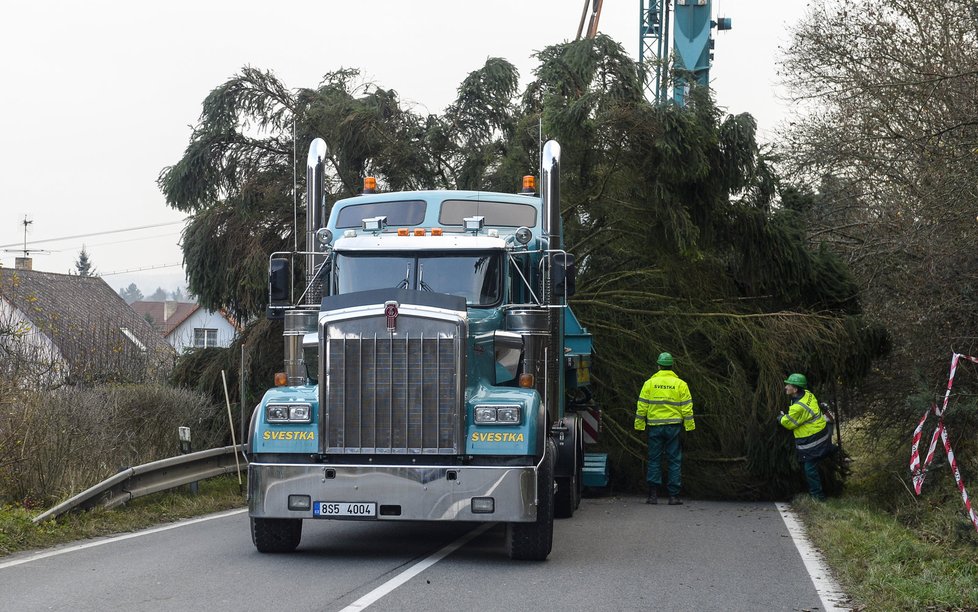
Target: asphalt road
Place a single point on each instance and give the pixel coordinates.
(616, 553)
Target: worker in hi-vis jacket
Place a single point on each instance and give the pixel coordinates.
(664, 409)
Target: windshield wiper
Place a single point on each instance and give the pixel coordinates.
(407, 276)
(421, 284)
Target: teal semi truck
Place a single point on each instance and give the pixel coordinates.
(433, 370)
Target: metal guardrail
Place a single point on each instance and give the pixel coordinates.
(153, 477)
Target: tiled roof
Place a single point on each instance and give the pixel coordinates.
(92, 326)
(166, 316)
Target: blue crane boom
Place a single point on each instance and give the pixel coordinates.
(690, 23)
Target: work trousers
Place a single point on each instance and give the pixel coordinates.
(665, 437)
(814, 480)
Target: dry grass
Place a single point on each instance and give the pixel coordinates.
(54, 444)
(18, 533)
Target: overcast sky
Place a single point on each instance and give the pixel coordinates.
(99, 96)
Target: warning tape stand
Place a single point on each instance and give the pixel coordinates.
(917, 471)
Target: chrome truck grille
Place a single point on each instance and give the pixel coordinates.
(397, 393)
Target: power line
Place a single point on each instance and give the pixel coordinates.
(95, 244)
(116, 231)
(139, 269)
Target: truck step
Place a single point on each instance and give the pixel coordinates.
(596, 474)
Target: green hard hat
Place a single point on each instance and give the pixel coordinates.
(665, 359)
(797, 380)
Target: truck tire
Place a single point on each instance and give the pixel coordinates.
(276, 535)
(564, 498)
(570, 488)
(579, 474)
(533, 541)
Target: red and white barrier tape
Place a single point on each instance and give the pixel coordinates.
(919, 473)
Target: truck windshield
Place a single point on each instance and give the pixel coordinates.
(475, 276)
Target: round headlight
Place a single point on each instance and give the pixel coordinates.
(324, 236)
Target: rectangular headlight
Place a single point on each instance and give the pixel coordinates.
(301, 413)
(498, 415)
(508, 414)
(276, 414)
(485, 414)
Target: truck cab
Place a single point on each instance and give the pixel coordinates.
(427, 374)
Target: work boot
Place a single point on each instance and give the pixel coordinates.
(675, 501)
(652, 498)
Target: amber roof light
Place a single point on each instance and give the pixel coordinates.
(529, 184)
(369, 184)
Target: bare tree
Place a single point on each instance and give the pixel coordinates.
(887, 127)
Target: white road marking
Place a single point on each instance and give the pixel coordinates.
(69, 549)
(829, 591)
(414, 570)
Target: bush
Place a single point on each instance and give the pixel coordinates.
(881, 474)
(54, 444)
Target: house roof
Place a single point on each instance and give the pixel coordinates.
(166, 316)
(91, 325)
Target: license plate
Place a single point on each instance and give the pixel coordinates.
(344, 509)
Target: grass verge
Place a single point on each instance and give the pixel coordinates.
(18, 533)
(884, 565)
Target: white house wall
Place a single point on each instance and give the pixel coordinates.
(182, 337)
(23, 342)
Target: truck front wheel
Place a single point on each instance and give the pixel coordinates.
(533, 541)
(276, 535)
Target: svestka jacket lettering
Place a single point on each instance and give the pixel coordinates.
(664, 400)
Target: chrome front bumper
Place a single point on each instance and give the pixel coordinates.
(402, 493)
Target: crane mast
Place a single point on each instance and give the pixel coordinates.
(689, 24)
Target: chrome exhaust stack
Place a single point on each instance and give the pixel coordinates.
(315, 217)
(550, 192)
(552, 387)
(301, 320)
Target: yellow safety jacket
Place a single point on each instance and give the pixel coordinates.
(813, 440)
(664, 400)
(804, 416)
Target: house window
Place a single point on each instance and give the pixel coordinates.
(204, 337)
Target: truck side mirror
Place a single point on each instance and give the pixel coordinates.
(279, 285)
(508, 347)
(564, 274)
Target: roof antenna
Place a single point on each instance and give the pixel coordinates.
(27, 252)
(540, 137)
(26, 223)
